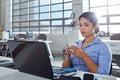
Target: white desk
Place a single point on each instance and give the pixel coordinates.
(11, 74)
(48, 46)
(3, 41)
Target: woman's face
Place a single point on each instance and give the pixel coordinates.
(86, 27)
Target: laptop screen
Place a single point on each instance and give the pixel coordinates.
(31, 57)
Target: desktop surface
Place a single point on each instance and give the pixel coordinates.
(32, 61)
(11, 74)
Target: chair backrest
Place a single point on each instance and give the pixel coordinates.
(42, 37)
(110, 69)
(21, 36)
(115, 37)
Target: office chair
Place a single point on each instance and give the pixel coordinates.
(42, 37)
(110, 69)
(19, 36)
(115, 37)
(4, 49)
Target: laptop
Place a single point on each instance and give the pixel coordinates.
(32, 57)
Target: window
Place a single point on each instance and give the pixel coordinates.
(45, 16)
(44, 2)
(34, 23)
(16, 6)
(34, 10)
(45, 23)
(44, 9)
(16, 1)
(56, 15)
(56, 1)
(57, 7)
(108, 14)
(57, 22)
(17, 12)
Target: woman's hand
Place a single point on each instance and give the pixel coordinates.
(76, 51)
(68, 51)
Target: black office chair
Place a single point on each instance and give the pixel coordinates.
(110, 69)
(19, 36)
(42, 37)
(4, 49)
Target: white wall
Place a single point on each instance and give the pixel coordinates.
(85, 5)
(3, 10)
(74, 35)
(8, 15)
(59, 41)
(77, 7)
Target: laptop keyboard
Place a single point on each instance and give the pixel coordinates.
(58, 70)
(63, 71)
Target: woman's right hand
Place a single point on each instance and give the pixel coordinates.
(68, 50)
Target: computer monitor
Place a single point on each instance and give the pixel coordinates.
(32, 57)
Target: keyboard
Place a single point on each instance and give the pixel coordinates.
(58, 71)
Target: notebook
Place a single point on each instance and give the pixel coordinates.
(32, 57)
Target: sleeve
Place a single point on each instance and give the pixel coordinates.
(105, 60)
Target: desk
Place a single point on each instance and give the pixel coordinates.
(11, 74)
(48, 46)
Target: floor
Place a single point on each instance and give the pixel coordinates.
(115, 63)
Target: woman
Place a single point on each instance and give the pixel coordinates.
(91, 54)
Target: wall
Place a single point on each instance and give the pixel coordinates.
(58, 42)
(5, 14)
(3, 10)
(77, 7)
(8, 15)
(85, 5)
(74, 35)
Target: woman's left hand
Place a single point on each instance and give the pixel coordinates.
(77, 51)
